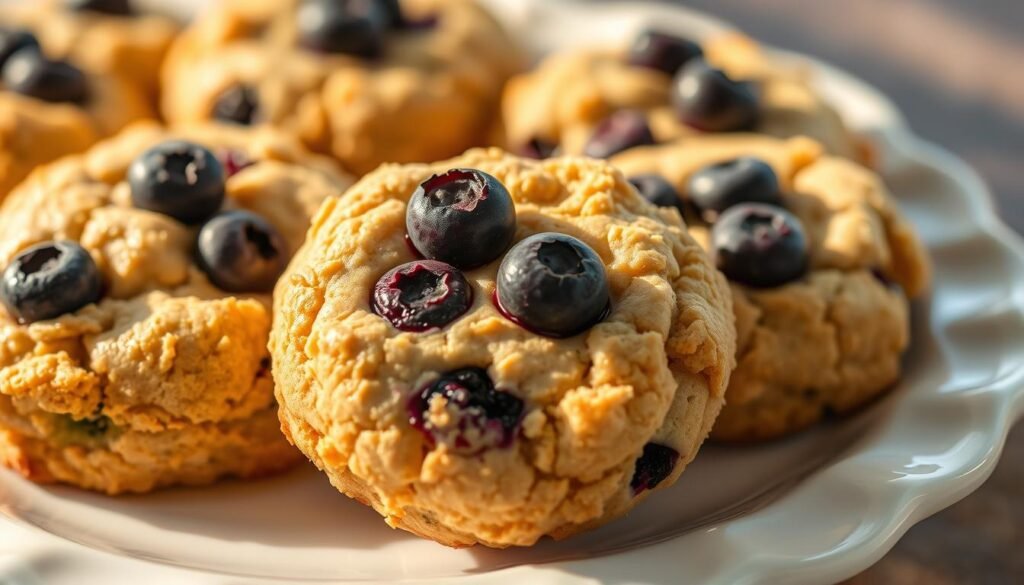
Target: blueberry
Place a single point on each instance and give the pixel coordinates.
(393, 13)
(538, 149)
(479, 416)
(422, 295)
(663, 52)
(13, 40)
(554, 285)
(705, 98)
(349, 27)
(241, 252)
(759, 245)
(179, 179)
(658, 191)
(717, 187)
(622, 130)
(29, 73)
(239, 104)
(655, 464)
(111, 7)
(464, 217)
(49, 280)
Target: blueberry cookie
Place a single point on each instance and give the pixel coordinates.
(821, 263)
(136, 307)
(367, 82)
(598, 102)
(491, 349)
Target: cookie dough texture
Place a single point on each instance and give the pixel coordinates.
(431, 95)
(167, 379)
(833, 340)
(570, 93)
(654, 370)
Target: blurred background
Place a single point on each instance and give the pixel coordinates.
(956, 69)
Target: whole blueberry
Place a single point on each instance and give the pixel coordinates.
(110, 7)
(30, 73)
(706, 98)
(622, 130)
(658, 191)
(759, 245)
(477, 415)
(464, 217)
(348, 27)
(422, 295)
(179, 179)
(242, 252)
(554, 285)
(49, 280)
(717, 187)
(655, 465)
(13, 40)
(663, 52)
(239, 104)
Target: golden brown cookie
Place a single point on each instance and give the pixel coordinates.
(830, 340)
(426, 90)
(478, 430)
(165, 377)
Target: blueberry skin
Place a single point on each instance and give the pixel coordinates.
(622, 130)
(464, 217)
(239, 104)
(705, 98)
(759, 245)
(29, 73)
(347, 27)
(658, 191)
(241, 252)
(13, 40)
(655, 465)
(179, 179)
(663, 52)
(49, 280)
(717, 187)
(553, 285)
(422, 295)
(109, 7)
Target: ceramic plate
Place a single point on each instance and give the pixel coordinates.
(813, 509)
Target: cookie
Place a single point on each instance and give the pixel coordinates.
(600, 101)
(821, 292)
(411, 86)
(125, 362)
(462, 422)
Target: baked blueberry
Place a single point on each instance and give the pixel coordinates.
(13, 40)
(658, 191)
(464, 217)
(553, 284)
(49, 280)
(663, 52)
(238, 104)
(30, 73)
(622, 130)
(111, 7)
(348, 27)
(717, 187)
(706, 98)
(474, 415)
(759, 245)
(179, 179)
(422, 295)
(655, 464)
(241, 251)
(538, 149)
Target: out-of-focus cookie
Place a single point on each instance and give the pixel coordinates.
(136, 307)
(367, 82)
(822, 265)
(561, 351)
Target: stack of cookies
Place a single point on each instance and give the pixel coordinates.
(228, 247)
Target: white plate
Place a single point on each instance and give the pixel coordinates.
(814, 509)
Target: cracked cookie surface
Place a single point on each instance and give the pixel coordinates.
(606, 414)
(166, 380)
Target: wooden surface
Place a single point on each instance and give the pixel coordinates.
(956, 69)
